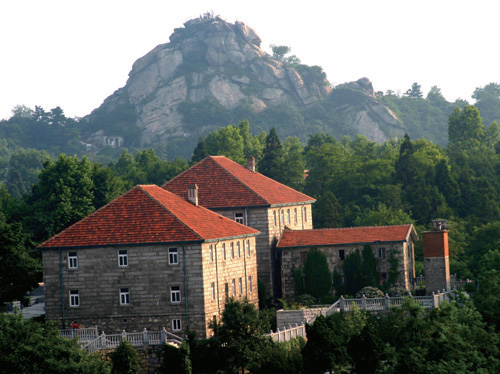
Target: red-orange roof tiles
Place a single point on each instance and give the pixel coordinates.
(223, 183)
(342, 236)
(147, 214)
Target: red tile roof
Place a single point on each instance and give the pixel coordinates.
(342, 236)
(147, 214)
(223, 183)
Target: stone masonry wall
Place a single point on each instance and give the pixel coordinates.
(149, 277)
(262, 219)
(294, 259)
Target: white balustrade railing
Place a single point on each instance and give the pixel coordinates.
(85, 334)
(285, 334)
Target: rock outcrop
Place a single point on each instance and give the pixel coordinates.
(207, 59)
(357, 104)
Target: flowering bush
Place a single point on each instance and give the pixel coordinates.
(370, 292)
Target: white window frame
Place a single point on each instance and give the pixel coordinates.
(175, 294)
(73, 260)
(74, 298)
(173, 256)
(239, 217)
(122, 258)
(124, 296)
(176, 325)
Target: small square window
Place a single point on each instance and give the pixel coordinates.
(238, 217)
(176, 325)
(173, 256)
(175, 294)
(341, 254)
(72, 260)
(122, 257)
(74, 298)
(124, 296)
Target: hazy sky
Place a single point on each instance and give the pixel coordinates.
(74, 54)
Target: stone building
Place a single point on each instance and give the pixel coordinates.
(336, 244)
(248, 197)
(149, 259)
(436, 258)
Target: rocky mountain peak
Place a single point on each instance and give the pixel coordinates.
(210, 59)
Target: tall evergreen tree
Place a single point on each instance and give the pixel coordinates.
(271, 164)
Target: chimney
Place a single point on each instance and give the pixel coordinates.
(436, 258)
(251, 163)
(193, 194)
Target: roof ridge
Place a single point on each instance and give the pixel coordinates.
(238, 179)
(351, 227)
(86, 217)
(168, 210)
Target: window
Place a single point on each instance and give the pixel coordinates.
(122, 257)
(175, 294)
(173, 256)
(238, 217)
(124, 296)
(232, 249)
(238, 249)
(72, 260)
(295, 218)
(240, 286)
(381, 253)
(303, 256)
(384, 276)
(248, 248)
(224, 251)
(288, 216)
(176, 325)
(74, 298)
(211, 251)
(226, 289)
(274, 218)
(250, 284)
(233, 283)
(282, 216)
(305, 214)
(212, 285)
(341, 254)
